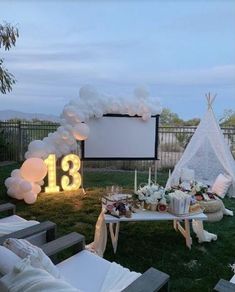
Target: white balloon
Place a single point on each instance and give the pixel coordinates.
(65, 135)
(18, 181)
(69, 128)
(40, 183)
(30, 198)
(38, 148)
(146, 116)
(81, 131)
(19, 196)
(38, 154)
(88, 92)
(69, 111)
(60, 129)
(36, 189)
(141, 92)
(27, 155)
(15, 173)
(10, 193)
(74, 146)
(25, 186)
(9, 182)
(71, 140)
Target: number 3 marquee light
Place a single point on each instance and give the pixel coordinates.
(70, 163)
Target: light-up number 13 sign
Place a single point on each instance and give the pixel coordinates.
(70, 163)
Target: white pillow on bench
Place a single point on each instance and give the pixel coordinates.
(24, 277)
(38, 258)
(221, 185)
(7, 260)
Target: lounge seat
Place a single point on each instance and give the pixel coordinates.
(37, 234)
(85, 265)
(225, 286)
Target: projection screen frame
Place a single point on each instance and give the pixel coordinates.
(155, 157)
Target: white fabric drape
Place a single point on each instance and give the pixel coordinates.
(100, 239)
(202, 235)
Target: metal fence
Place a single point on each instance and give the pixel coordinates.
(15, 137)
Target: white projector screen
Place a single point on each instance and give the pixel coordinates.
(121, 137)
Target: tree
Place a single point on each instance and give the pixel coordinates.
(8, 36)
(168, 118)
(192, 122)
(228, 118)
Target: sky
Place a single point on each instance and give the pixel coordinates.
(180, 50)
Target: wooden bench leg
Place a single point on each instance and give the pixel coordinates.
(175, 225)
(187, 233)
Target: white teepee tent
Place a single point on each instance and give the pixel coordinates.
(207, 153)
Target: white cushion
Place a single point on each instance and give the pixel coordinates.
(12, 219)
(7, 260)
(36, 239)
(85, 271)
(187, 174)
(24, 277)
(233, 279)
(38, 258)
(221, 185)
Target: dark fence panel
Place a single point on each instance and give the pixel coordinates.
(15, 137)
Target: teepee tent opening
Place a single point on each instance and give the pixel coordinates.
(207, 153)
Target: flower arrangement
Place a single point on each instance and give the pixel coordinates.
(194, 187)
(151, 194)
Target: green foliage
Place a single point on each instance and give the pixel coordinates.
(6, 79)
(228, 118)
(183, 138)
(192, 122)
(8, 36)
(167, 117)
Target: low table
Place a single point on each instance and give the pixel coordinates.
(114, 223)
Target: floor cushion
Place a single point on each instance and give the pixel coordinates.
(211, 206)
(215, 217)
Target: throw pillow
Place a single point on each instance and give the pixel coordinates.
(24, 277)
(38, 258)
(8, 260)
(221, 185)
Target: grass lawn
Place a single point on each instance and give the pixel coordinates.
(141, 245)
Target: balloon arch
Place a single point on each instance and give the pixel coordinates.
(25, 183)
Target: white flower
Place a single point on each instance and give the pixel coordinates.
(158, 194)
(141, 197)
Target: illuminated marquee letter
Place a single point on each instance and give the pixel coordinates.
(51, 166)
(73, 172)
(70, 163)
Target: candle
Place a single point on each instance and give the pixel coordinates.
(135, 182)
(155, 174)
(169, 173)
(149, 180)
